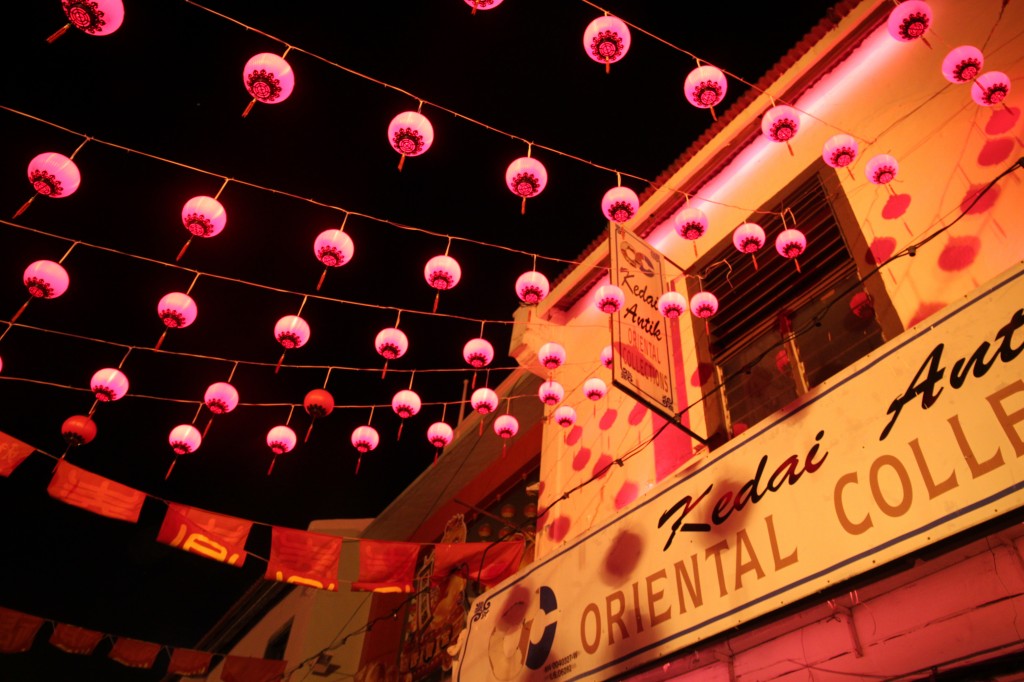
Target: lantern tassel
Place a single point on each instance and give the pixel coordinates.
(21, 310)
(473, 383)
(160, 341)
(358, 462)
(321, 282)
(400, 425)
(850, 171)
(790, 148)
(481, 432)
(206, 428)
(437, 451)
(309, 431)
(279, 361)
(249, 108)
(272, 462)
(401, 162)
(797, 264)
(695, 247)
(171, 468)
(522, 211)
(607, 66)
(184, 249)
(503, 444)
(754, 258)
(713, 117)
(59, 32)
(385, 370)
(436, 297)
(24, 206)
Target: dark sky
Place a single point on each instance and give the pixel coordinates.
(168, 84)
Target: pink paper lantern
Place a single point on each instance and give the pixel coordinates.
(962, 64)
(221, 397)
(45, 279)
(609, 298)
(365, 438)
(92, 17)
(440, 434)
(990, 88)
(748, 238)
(478, 353)
(594, 388)
(839, 151)
(291, 331)
(703, 304)
(442, 272)
(184, 439)
(78, 429)
(410, 134)
(54, 175)
(406, 403)
(333, 248)
(705, 87)
(526, 177)
(790, 244)
(690, 223)
(281, 439)
(484, 400)
(551, 355)
(318, 403)
(268, 78)
(482, 4)
(619, 204)
(203, 216)
(551, 393)
(109, 384)
(532, 287)
(564, 416)
(671, 304)
(391, 343)
(607, 356)
(780, 124)
(506, 426)
(606, 40)
(881, 169)
(909, 20)
(177, 310)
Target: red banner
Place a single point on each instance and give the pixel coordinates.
(95, 493)
(17, 631)
(189, 662)
(484, 562)
(214, 536)
(74, 640)
(241, 669)
(304, 558)
(134, 653)
(12, 453)
(386, 566)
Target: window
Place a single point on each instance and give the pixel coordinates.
(277, 644)
(781, 331)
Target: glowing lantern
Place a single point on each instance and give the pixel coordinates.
(609, 298)
(410, 134)
(532, 287)
(748, 238)
(221, 397)
(790, 244)
(364, 439)
(176, 310)
(280, 439)
(551, 393)
(442, 273)
(291, 331)
(484, 400)
(881, 170)
(52, 175)
(78, 429)
(565, 416)
(990, 88)
(862, 305)
(840, 151)
(594, 388)
(482, 4)
(391, 344)
(606, 40)
(109, 384)
(268, 78)
(439, 435)
(184, 440)
(203, 217)
(526, 177)
(780, 124)
(619, 204)
(406, 403)
(506, 426)
(43, 279)
(704, 304)
(92, 17)
(478, 352)
(607, 356)
(317, 403)
(672, 304)
(690, 224)
(962, 64)
(333, 248)
(551, 355)
(909, 20)
(705, 87)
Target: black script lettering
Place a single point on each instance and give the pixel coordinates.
(924, 389)
(638, 291)
(646, 324)
(688, 503)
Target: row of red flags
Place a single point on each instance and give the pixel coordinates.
(18, 633)
(296, 556)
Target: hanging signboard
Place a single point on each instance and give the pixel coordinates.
(916, 442)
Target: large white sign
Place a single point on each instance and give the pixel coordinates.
(917, 441)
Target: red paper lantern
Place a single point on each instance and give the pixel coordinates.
(962, 64)
(990, 88)
(109, 384)
(551, 393)
(280, 440)
(203, 216)
(406, 403)
(782, 361)
(442, 272)
(671, 304)
(484, 400)
(184, 439)
(862, 305)
(909, 20)
(268, 78)
(54, 175)
(291, 331)
(440, 434)
(619, 204)
(607, 356)
(564, 416)
(177, 310)
(483, 4)
(594, 388)
(318, 403)
(703, 304)
(526, 177)
(606, 40)
(45, 279)
(333, 248)
(691, 224)
(790, 244)
(532, 287)
(780, 124)
(881, 169)
(365, 438)
(78, 429)
(221, 397)
(410, 134)
(506, 426)
(92, 17)
(705, 87)
(478, 352)
(839, 151)
(391, 343)
(748, 238)
(551, 355)
(609, 298)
